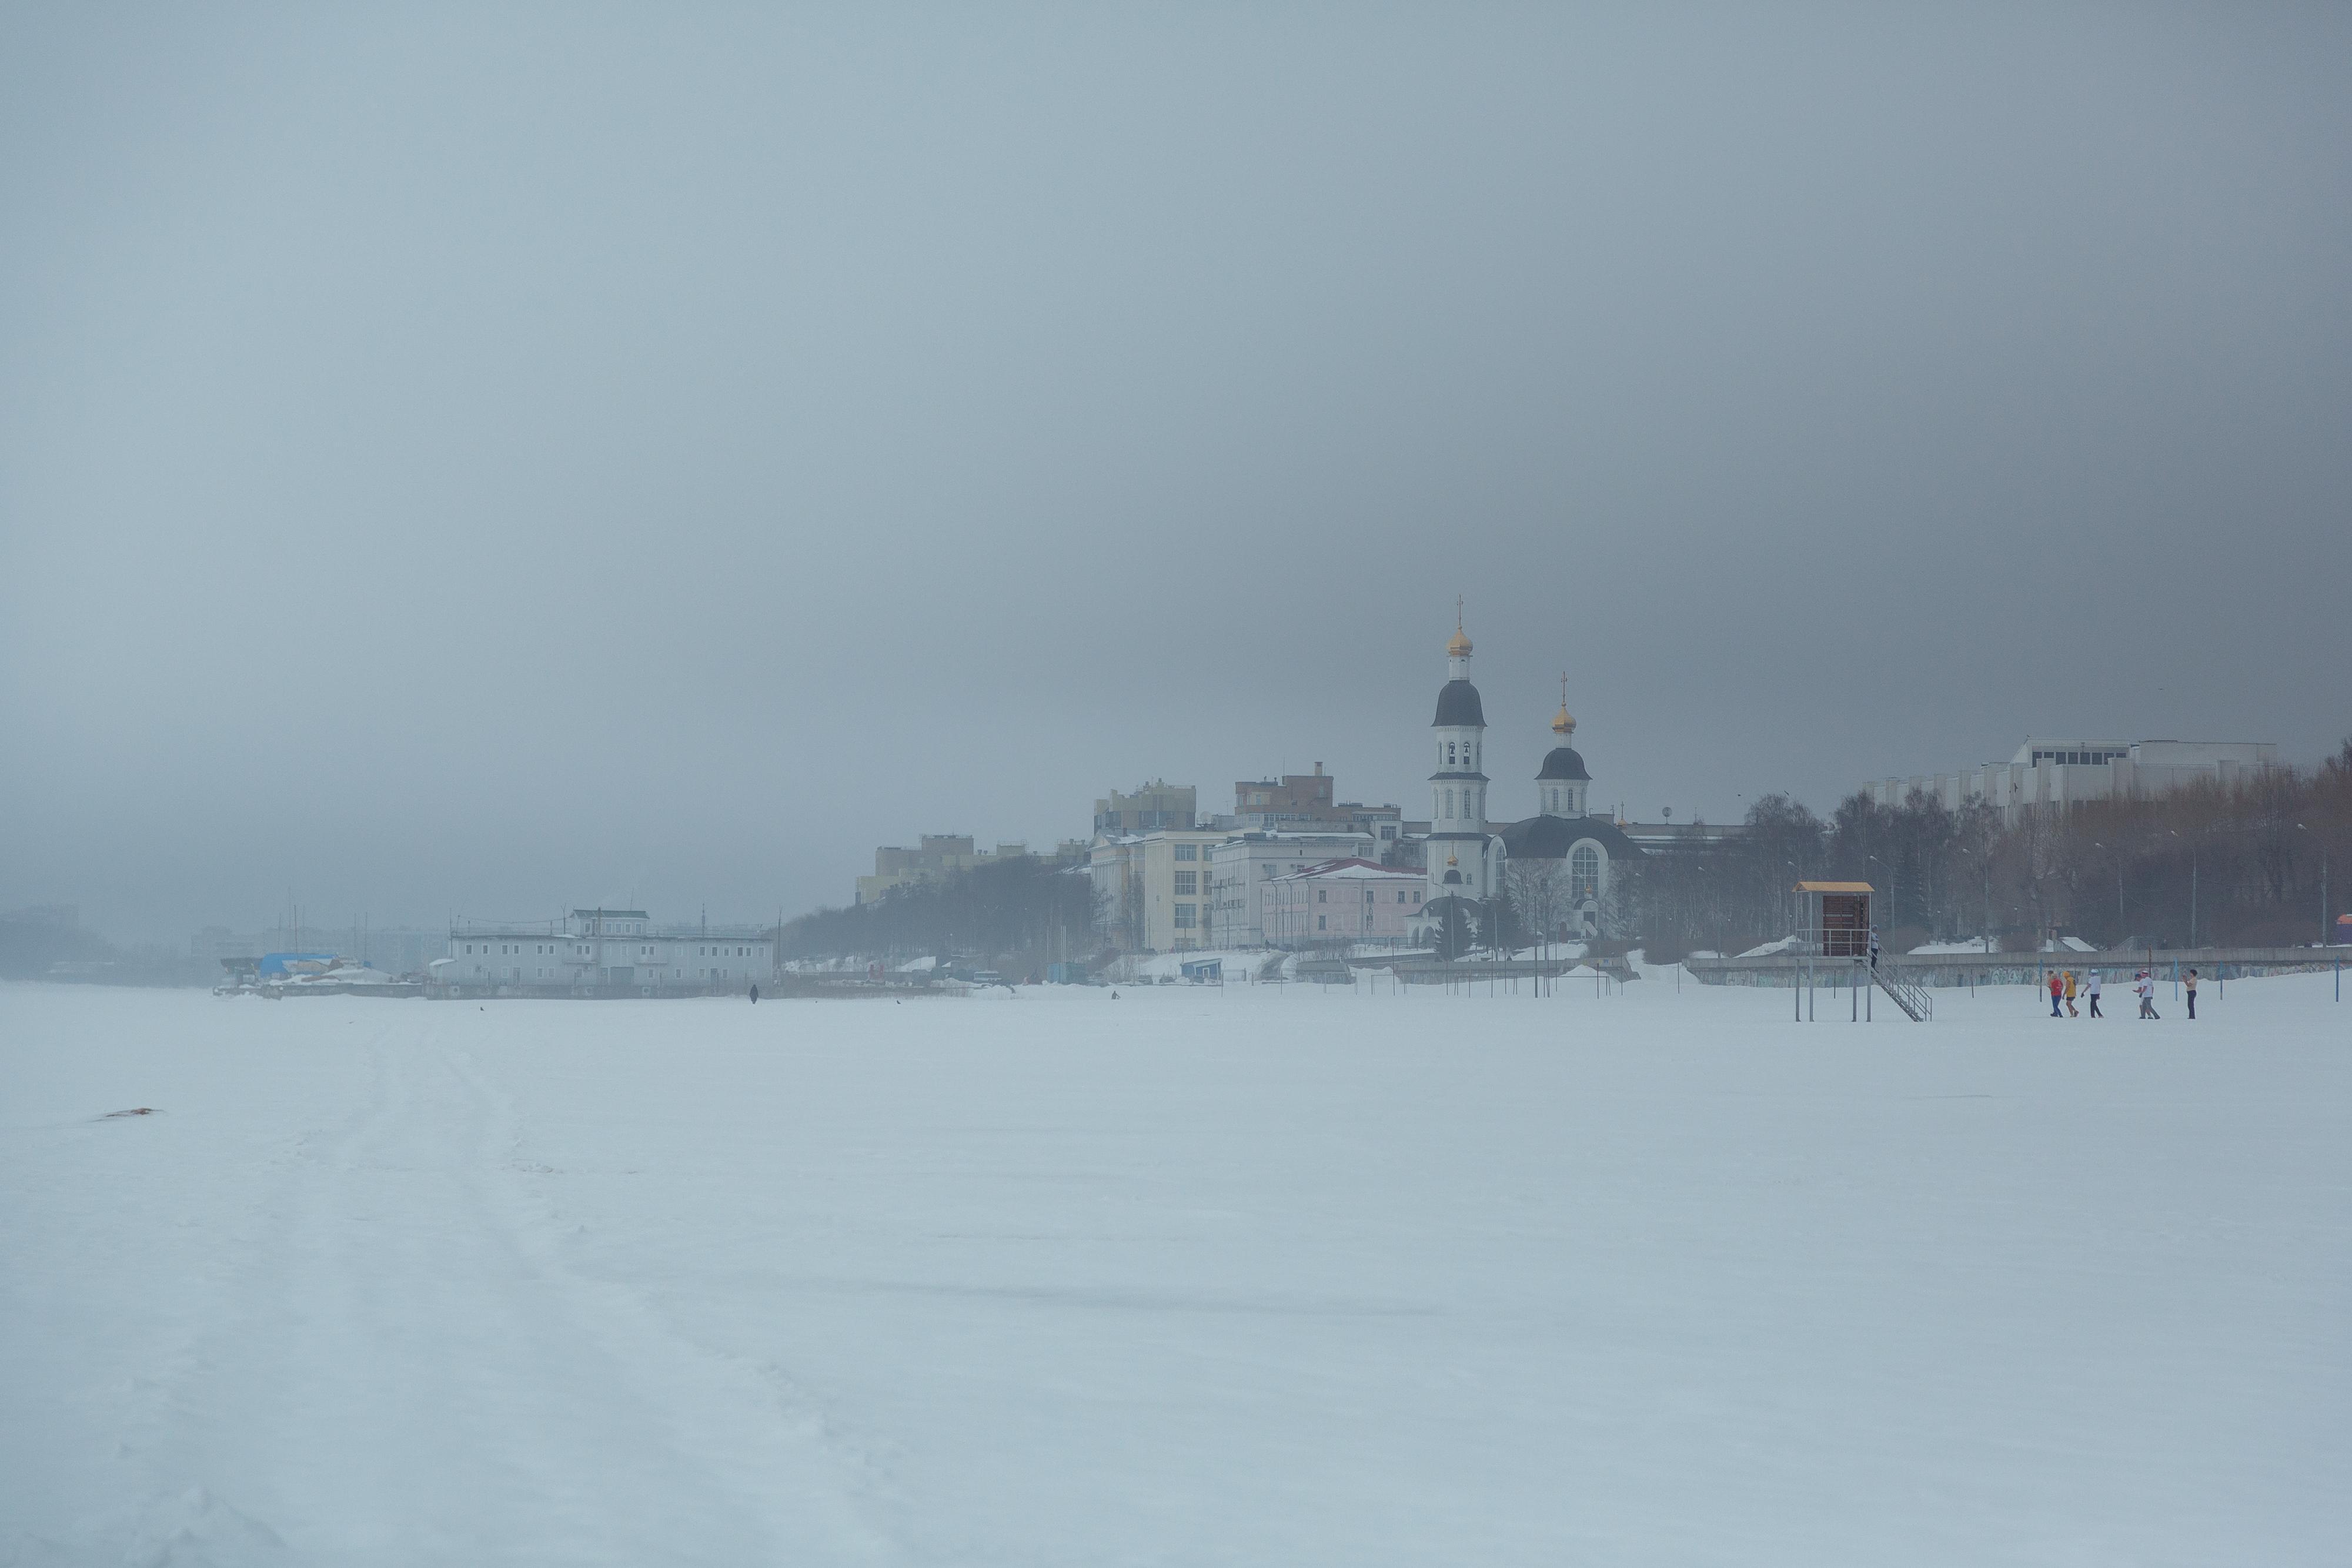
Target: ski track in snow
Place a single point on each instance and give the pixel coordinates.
(500, 1409)
(1280, 1277)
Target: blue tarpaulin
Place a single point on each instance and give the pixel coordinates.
(275, 963)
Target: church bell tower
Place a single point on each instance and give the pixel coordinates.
(1460, 853)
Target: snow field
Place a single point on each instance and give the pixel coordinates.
(1253, 1275)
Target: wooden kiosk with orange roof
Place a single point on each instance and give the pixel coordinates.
(1836, 917)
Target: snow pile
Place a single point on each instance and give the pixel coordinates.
(1773, 949)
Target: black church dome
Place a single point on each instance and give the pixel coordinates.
(1563, 763)
(1457, 703)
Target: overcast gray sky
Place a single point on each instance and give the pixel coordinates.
(479, 460)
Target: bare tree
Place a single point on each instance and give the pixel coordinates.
(1537, 890)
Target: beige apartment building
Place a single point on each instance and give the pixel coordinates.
(1155, 888)
(934, 856)
(1152, 807)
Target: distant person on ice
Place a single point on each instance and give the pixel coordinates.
(2094, 989)
(2057, 989)
(2190, 982)
(2147, 989)
(755, 996)
(2070, 995)
(1873, 947)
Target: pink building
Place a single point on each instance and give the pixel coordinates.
(1340, 901)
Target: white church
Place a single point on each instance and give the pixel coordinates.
(1465, 852)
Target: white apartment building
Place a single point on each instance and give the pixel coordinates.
(1241, 867)
(2050, 772)
(1155, 888)
(605, 950)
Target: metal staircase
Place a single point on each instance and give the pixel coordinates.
(1913, 998)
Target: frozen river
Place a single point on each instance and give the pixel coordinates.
(1251, 1276)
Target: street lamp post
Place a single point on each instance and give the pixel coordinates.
(2324, 934)
(2193, 886)
(2119, 888)
(1984, 864)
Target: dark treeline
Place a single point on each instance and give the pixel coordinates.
(1026, 905)
(45, 949)
(2235, 865)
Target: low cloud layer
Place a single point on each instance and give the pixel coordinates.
(468, 463)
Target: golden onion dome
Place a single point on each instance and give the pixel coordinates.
(1563, 724)
(1459, 646)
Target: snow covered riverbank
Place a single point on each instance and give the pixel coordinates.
(1267, 1275)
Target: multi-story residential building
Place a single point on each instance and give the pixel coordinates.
(604, 950)
(1243, 864)
(1303, 802)
(1341, 902)
(1116, 870)
(1154, 888)
(2055, 773)
(934, 857)
(1154, 808)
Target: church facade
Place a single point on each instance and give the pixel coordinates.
(1563, 853)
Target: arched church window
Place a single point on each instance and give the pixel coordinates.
(1584, 874)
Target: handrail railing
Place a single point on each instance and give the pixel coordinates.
(1908, 995)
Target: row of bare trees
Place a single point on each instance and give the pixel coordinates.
(1025, 905)
(2262, 862)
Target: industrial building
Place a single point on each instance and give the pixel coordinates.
(2050, 773)
(603, 952)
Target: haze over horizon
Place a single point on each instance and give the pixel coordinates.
(461, 462)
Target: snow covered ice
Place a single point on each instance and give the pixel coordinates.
(1257, 1275)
